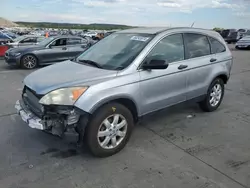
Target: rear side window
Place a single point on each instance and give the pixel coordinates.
(73, 41)
(196, 45)
(216, 46)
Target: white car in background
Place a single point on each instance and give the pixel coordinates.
(90, 34)
(244, 32)
(243, 43)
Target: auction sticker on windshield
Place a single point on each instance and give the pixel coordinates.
(139, 38)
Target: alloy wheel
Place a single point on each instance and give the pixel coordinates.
(29, 62)
(215, 95)
(112, 131)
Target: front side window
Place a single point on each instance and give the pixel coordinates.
(216, 46)
(59, 42)
(116, 51)
(196, 45)
(169, 49)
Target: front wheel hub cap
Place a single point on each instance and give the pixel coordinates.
(112, 131)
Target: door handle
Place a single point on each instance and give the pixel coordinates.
(213, 60)
(182, 67)
(64, 48)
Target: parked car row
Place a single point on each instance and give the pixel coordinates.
(234, 35)
(241, 37)
(49, 50)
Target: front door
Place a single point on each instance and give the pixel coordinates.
(56, 52)
(162, 88)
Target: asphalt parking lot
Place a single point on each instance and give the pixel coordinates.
(178, 147)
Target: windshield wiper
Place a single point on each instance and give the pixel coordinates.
(93, 63)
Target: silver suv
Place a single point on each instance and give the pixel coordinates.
(103, 92)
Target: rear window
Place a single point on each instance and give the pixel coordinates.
(216, 46)
(233, 34)
(73, 41)
(225, 33)
(242, 30)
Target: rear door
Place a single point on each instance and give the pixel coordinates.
(75, 46)
(199, 59)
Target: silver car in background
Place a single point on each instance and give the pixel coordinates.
(125, 76)
(243, 43)
(25, 40)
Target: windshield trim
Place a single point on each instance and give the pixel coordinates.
(20, 38)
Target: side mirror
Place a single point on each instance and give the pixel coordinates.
(155, 64)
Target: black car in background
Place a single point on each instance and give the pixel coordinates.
(230, 35)
(52, 49)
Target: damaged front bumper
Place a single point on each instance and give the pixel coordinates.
(28, 117)
(55, 119)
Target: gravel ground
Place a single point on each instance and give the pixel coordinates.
(168, 149)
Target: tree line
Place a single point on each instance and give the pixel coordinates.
(95, 26)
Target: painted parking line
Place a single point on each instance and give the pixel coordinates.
(8, 71)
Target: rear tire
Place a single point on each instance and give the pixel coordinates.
(214, 96)
(109, 130)
(29, 62)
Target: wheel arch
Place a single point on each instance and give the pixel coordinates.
(224, 77)
(125, 101)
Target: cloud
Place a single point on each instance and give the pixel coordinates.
(191, 5)
(129, 12)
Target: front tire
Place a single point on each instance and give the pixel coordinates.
(214, 96)
(109, 130)
(29, 62)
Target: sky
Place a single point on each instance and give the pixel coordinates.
(205, 13)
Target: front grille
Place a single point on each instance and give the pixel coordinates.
(31, 100)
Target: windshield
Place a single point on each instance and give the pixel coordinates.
(46, 41)
(19, 38)
(117, 51)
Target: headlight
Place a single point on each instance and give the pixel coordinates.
(63, 96)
